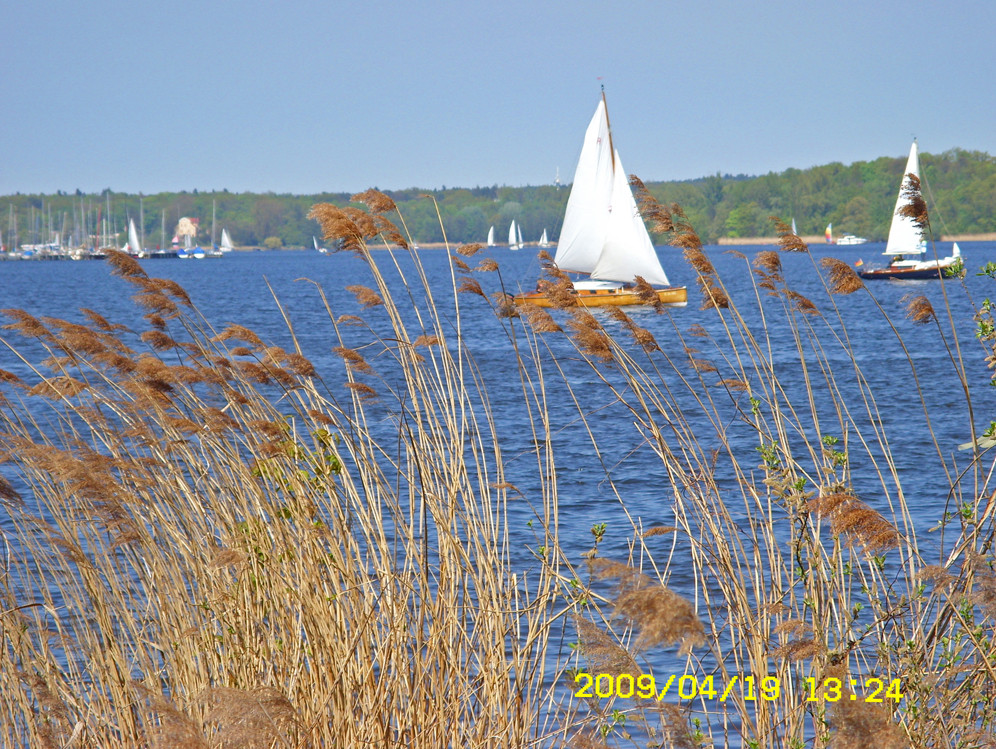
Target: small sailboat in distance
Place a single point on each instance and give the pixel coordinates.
(134, 246)
(603, 234)
(491, 237)
(514, 237)
(226, 241)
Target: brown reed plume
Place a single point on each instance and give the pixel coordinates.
(855, 520)
(858, 724)
(375, 200)
(539, 319)
(843, 279)
(919, 309)
(769, 262)
(337, 226)
(650, 208)
(589, 335)
(914, 206)
(788, 240)
(661, 616)
(643, 337)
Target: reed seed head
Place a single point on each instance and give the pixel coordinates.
(661, 615)
(469, 250)
(843, 279)
(375, 200)
(788, 240)
(914, 207)
(919, 309)
(855, 520)
(769, 261)
(366, 296)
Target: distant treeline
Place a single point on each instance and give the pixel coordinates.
(960, 188)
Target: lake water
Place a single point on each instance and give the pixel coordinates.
(237, 289)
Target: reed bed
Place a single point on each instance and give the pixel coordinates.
(218, 545)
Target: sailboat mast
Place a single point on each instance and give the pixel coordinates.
(608, 126)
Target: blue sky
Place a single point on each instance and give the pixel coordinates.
(305, 97)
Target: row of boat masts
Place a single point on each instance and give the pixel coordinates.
(92, 234)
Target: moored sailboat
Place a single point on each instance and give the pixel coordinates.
(603, 234)
(906, 238)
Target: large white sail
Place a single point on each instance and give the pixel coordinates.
(603, 233)
(491, 237)
(583, 234)
(905, 238)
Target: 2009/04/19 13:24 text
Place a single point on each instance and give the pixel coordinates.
(767, 688)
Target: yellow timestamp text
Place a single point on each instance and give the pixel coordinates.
(689, 687)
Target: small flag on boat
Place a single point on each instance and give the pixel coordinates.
(859, 263)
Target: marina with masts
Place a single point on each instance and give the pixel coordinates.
(92, 235)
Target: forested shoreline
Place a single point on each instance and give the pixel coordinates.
(858, 198)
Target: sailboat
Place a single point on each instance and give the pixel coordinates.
(134, 246)
(226, 241)
(603, 234)
(829, 233)
(514, 237)
(544, 242)
(906, 238)
(491, 237)
(322, 250)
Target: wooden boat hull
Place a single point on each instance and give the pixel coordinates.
(674, 296)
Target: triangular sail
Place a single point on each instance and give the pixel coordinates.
(511, 234)
(905, 237)
(603, 233)
(583, 234)
(491, 236)
(628, 251)
(226, 241)
(133, 242)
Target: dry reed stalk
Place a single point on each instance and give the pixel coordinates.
(205, 522)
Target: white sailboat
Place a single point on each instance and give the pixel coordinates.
(322, 250)
(514, 237)
(603, 234)
(906, 238)
(134, 246)
(226, 241)
(544, 242)
(491, 237)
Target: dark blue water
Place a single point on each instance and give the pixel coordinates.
(237, 289)
(240, 288)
